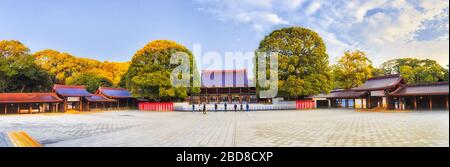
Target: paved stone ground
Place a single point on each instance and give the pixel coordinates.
(263, 128)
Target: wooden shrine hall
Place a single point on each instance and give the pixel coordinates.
(388, 92)
(225, 86)
(27, 103)
(122, 97)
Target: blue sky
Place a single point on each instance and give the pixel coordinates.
(112, 30)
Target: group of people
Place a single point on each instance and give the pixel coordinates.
(202, 107)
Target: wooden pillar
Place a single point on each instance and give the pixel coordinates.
(400, 103)
(5, 108)
(81, 105)
(430, 103)
(127, 103)
(65, 104)
(415, 103)
(362, 103)
(118, 104)
(446, 102)
(387, 102)
(88, 106)
(103, 105)
(369, 103)
(18, 108)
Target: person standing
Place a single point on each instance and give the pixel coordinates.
(235, 107)
(204, 108)
(248, 107)
(215, 107)
(225, 104)
(193, 107)
(242, 108)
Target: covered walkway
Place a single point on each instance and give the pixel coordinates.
(27, 103)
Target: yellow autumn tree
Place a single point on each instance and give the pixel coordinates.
(64, 67)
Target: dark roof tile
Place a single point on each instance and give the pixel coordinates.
(29, 98)
(422, 89)
(225, 78)
(99, 98)
(71, 91)
(379, 83)
(115, 93)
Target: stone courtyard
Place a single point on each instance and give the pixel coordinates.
(315, 128)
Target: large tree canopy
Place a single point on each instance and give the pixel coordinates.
(352, 70)
(91, 80)
(415, 70)
(303, 67)
(18, 70)
(150, 70)
(63, 66)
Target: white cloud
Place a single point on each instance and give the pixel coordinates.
(291, 4)
(385, 29)
(258, 13)
(313, 7)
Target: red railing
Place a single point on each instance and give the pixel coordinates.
(156, 106)
(305, 104)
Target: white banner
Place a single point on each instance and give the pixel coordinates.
(377, 93)
(73, 98)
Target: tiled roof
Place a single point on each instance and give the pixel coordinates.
(379, 83)
(422, 89)
(340, 94)
(71, 91)
(29, 98)
(115, 93)
(140, 99)
(99, 98)
(225, 78)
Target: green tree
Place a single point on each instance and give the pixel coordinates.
(92, 81)
(303, 67)
(150, 70)
(446, 74)
(18, 70)
(352, 70)
(415, 70)
(377, 72)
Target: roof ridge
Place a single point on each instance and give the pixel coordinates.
(385, 76)
(68, 86)
(112, 88)
(428, 84)
(40, 93)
